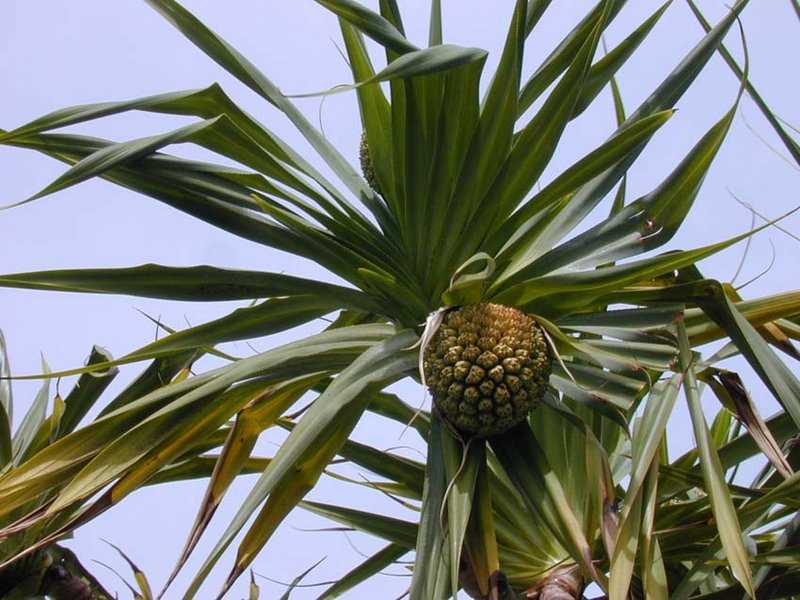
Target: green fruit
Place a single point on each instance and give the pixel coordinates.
(487, 367)
(366, 164)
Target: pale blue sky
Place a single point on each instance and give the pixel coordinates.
(55, 54)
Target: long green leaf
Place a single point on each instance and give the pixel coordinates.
(370, 23)
(32, 421)
(603, 70)
(491, 141)
(562, 55)
(56, 464)
(6, 405)
(157, 374)
(627, 543)
(200, 284)
(244, 70)
(413, 64)
(663, 97)
(271, 316)
(724, 512)
(652, 572)
(86, 392)
(316, 439)
(143, 450)
(386, 464)
(397, 531)
(650, 432)
(791, 145)
(107, 158)
(205, 103)
(457, 124)
(644, 224)
(375, 114)
(535, 143)
(202, 467)
(435, 24)
(166, 187)
(784, 385)
(432, 560)
(371, 566)
(480, 543)
(601, 279)
(462, 464)
(517, 228)
(391, 407)
(535, 11)
(260, 413)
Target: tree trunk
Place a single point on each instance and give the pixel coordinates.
(565, 583)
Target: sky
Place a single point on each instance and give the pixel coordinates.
(57, 54)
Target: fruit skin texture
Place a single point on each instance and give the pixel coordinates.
(487, 367)
(366, 164)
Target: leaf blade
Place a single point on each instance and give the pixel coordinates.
(724, 512)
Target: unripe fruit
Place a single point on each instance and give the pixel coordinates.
(487, 367)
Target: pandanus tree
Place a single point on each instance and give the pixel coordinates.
(554, 352)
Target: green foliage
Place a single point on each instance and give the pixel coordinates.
(583, 488)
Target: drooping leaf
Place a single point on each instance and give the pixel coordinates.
(58, 463)
(370, 23)
(106, 158)
(244, 70)
(419, 62)
(730, 390)
(711, 297)
(261, 412)
(302, 458)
